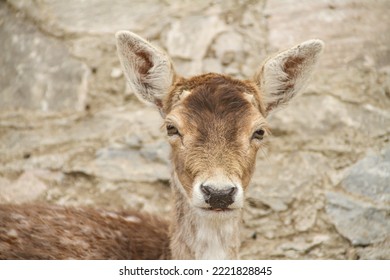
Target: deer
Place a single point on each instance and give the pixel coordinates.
(215, 125)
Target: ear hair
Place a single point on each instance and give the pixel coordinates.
(148, 70)
(283, 76)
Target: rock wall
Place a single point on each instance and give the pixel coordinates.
(72, 133)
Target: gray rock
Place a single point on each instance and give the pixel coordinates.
(157, 151)
(190, 37)
(301, 245)
(305, 217)
(211, 65)
(277, 180)
(370, 177)
(327, 114)
(188, 67)
(116, 164)
(133, 141)
(228, 46)
(259, 200)
(37, 72)
(291, 22)
(359, 222)
(361, 212)
(94, 17)
(379, 251)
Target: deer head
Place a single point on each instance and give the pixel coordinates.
(215, 124)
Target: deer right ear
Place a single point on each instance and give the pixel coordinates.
(283, 76)
(148, 70)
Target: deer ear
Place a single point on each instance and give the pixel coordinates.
(283, 76)
(148, 70)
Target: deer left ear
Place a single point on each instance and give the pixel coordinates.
(148, 70)
(283, 76)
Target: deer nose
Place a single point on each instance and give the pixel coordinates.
(218, 198)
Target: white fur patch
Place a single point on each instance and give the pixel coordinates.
(132, 219)
(12, 233)
(215, 238)
(110, 214)
(184, 94)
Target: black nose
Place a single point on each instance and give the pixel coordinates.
(218, 198)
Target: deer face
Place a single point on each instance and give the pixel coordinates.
(215, 124)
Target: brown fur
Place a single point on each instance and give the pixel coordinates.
(212, 80)
(217, 118)
(56, 232)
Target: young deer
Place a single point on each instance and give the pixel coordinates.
(215, 125)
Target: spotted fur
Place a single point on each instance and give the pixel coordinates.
(56, 232)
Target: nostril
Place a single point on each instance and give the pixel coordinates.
(206, 190)
(232, 191)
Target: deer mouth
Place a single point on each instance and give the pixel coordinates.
(218, 209)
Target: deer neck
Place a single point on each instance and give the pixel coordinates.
(199, 234)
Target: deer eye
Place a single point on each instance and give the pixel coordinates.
(172, 130)
(258, 134)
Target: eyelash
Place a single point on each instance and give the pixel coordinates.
(172, 130)
(259, 134)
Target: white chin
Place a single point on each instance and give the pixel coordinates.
(217, 213)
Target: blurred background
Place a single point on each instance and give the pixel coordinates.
(72, 133)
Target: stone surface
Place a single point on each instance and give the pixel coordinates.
(91, 16)
(37, 72)
(361, 223)
(300, 21)
(26, 188)
(361, 211)
(301, 245)
(190, 37)
(370, 178)
(305, 217)
(277, 180)
(122, 165)
(228, 46)
(380, 251)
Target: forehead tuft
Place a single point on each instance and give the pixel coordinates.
(215, 79)
(216, 94)
(216, 100)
